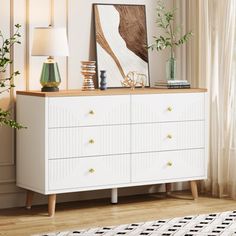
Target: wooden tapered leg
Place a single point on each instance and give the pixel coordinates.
(29, 199)
(194, 191)
(51, 204)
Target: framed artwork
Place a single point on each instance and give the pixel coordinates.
(121, 40)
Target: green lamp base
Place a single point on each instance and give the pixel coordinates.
(50, 77)
(49, 89)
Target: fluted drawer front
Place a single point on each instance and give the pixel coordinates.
(88, 172)
(172, 165)
(89, 141)
(87, 111)
(167, 107)
(167, 136)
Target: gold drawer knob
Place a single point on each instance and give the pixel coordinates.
(169, 163)
(91, 112)
(91, 141)
(170, 109)
(91, 170)
(169, 136)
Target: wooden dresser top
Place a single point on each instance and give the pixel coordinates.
(119, 91)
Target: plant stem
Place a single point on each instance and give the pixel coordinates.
(172, 42)
(5, 90)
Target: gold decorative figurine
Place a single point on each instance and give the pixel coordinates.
(133, 79)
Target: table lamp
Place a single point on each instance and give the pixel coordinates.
(50, 41)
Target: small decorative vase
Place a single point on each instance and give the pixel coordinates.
(171, 69)
(103, 83)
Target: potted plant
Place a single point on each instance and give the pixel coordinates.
(170, 37)
(6, 81)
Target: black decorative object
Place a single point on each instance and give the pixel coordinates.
(103, 83)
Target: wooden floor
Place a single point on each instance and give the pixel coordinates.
(78, 215)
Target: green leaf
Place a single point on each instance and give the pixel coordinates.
(17, 26)
(164, 20)
(184, 38)
(6, 84)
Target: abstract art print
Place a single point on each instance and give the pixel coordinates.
(121, 39)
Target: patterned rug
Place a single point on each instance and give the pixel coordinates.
(209, 225)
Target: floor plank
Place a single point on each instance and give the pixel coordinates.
(86, 214)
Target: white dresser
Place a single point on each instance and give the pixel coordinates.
(77, 141)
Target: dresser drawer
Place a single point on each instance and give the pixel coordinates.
(87, 111)
(88, 141)
(171, 165)
(167, 136)
(167, 107)
(88, 172)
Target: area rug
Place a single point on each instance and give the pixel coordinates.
(201, 225)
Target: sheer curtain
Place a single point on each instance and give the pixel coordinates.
(217, 48)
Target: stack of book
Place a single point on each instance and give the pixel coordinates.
(172, 84)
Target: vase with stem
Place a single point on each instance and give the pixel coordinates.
(171, 67)
(170, 37)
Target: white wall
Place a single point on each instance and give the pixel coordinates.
(76, 15)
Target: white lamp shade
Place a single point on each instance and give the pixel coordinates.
(49, 41)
